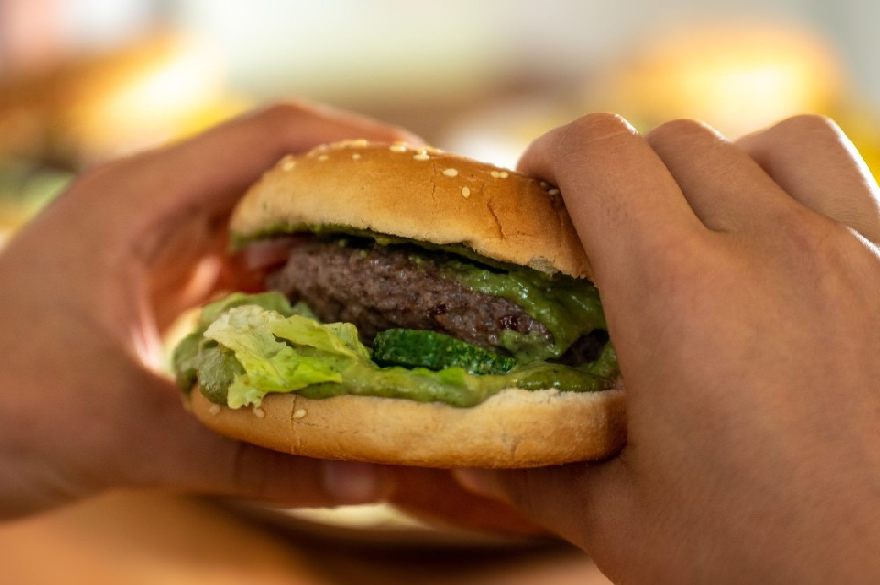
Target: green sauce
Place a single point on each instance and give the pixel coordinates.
(454, 386)
(568, 307)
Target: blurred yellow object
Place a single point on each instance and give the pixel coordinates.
(736, 78)
(100, 106)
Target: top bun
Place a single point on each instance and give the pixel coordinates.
(417, 193)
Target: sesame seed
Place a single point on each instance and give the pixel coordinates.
(450, 172)
(214, 409)
(499, 174)
(465, 192)
(422, 155)
(323, 157)
(397, 147)
(355, 156)
(301, 413)
(553, 191)
(259, 412)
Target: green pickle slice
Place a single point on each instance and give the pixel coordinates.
(429, 349)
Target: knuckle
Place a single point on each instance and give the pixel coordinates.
(595, 127)
(103, 179)
(97, 175)
(799, 228)
(813, 124)
(816, 245)
(572, 138)
(679, 130)
(682, 270)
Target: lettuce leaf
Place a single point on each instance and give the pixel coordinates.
(282, 354)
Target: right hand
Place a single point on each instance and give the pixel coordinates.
(742, 289)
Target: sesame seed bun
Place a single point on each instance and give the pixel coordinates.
(514, 428)
(416, 193)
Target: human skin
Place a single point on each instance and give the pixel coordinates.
(740, 282)
(88, 288)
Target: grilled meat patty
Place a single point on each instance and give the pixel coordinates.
(385, 287)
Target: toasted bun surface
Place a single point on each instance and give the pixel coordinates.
(514, 428)
(416, 193)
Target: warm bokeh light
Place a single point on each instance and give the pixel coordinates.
(162, 89)
(737, 78)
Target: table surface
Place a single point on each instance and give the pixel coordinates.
(141, 538)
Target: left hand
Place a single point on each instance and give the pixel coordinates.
(92, 283)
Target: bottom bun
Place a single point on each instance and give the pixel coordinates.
(514, 428)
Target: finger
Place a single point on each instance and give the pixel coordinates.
(587, 504)
(238, 152)
(813, 161)
(170, 449)
(433, 495)
(622, 200)
(726, 189)
(209, 173)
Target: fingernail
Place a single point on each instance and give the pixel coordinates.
(479, 481)
(349, 482)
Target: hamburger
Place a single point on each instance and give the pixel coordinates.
(419, 308)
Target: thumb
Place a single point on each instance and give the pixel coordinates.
(588, 504)
(176, 452)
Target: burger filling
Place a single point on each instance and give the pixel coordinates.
(377, 316)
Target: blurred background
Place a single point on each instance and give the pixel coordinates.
(83, 81)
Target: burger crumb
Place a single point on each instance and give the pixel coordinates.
(214, 409)
(355, 156)
(499, 174)
(259, 412)
(544, 185)
(397, 147)
(553, 191)
(465, 192)
(300, 413)
(288, 163)
(422, 155)
(323, 157)
(450, 172)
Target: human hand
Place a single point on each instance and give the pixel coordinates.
(88, 289)
(740, 283)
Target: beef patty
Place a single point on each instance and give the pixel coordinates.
(387, 287)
